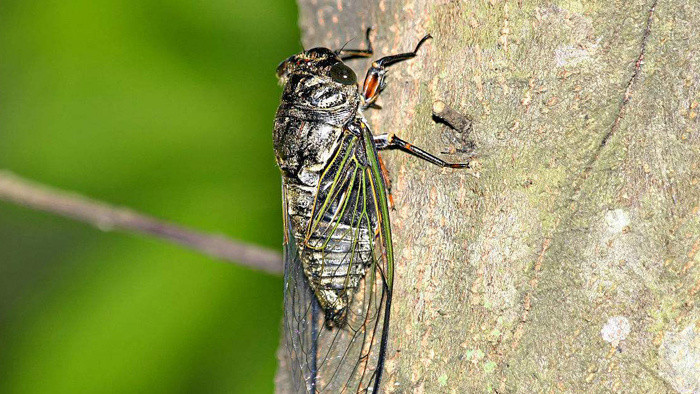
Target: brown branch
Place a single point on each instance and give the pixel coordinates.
(16, 190)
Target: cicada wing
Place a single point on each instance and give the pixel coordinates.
(300, 307)
(347, 228)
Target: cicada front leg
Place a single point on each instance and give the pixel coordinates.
(375, 78)
(347, 54)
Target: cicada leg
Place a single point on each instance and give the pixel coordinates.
(347, 54)
(390, 141)
(374, 80)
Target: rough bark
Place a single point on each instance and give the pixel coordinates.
(570, 264)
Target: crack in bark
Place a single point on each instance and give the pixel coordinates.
(628, 90)
(518, 332)
(578, 181)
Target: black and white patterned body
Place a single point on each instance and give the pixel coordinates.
(311, 135)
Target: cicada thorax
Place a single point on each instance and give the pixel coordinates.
(314, 98)
(309, 124)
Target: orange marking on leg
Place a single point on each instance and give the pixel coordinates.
(370, 89)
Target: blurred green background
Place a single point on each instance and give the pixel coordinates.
(165, 107)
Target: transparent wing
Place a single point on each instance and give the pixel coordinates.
(348, 231)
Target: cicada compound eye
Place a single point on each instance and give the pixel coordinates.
(343, 74)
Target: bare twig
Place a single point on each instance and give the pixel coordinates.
(107, 218)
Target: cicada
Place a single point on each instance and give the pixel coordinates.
(339, 258)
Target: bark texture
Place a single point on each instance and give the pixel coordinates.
(569, 263)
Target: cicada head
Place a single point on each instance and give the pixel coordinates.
(319, 83)
(321, 62)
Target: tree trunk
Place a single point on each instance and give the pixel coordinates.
(567, 261)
